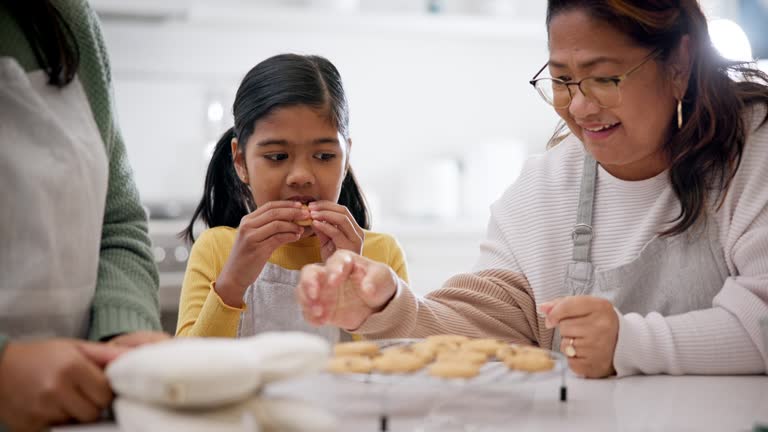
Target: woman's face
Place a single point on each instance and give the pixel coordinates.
(294, 154)
(627, 140)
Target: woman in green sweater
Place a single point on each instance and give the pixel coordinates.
(75, 258)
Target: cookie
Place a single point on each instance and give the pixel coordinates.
(507, 350)
(529, 362)
(446, 339)
(453, 369)
(305, 222)
(463, 356)
(349, 364)
(364, 348)
(439, 347)
(486, 346)
(425, 352)
(398, 363)
(511, 350)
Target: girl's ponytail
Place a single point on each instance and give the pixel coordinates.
(226, 198)
(352, 198)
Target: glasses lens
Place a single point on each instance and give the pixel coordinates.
(605, 91)
(553, 92)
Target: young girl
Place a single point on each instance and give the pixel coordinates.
(279, 194)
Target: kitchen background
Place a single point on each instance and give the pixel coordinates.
(442, 115)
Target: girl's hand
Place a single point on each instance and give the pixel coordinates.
(589, 327)
(259, 235)
(345, 290)
(336, 228)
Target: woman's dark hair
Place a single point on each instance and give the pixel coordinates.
(50, 37)
(281, 81)
(706, 152)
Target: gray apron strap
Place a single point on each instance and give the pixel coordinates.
(579, 273)
(582, 231)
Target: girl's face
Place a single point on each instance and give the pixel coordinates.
(294, 154)
(627, 139)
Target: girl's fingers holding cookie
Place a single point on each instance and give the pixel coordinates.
(339, 209)
(337, 237)
(275, 210)
(317, 206)
(258, 234)
(343, 221)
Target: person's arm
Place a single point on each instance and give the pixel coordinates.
(495, 301)
(126, 297)
(201, 311)
(725, 339)
(487, 304)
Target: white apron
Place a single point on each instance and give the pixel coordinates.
(272, 306)
(53, 183)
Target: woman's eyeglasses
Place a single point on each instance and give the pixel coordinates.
(603, 90)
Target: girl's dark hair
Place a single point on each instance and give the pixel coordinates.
(280, 81)
(50, 37)
(706, 152)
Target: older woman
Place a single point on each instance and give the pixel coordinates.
(642, 234)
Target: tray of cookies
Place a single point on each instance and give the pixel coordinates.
(441, 359)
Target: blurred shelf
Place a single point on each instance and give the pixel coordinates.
(239, 16)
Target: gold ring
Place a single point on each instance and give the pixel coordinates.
(570, 350)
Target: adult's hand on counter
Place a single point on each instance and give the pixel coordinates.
(589, 331)
(135, 339)
(345, 291)
(54, 381)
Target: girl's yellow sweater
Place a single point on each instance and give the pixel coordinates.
(201, 310)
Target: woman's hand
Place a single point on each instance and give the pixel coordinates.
(260, 233)
(345, 290)
(53, 382)
(590, 325)
(336, 228)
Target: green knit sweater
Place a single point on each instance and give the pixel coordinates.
(126, 290)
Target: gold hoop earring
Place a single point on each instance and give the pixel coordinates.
(679, 114)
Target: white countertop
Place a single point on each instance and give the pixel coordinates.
(643, 403)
